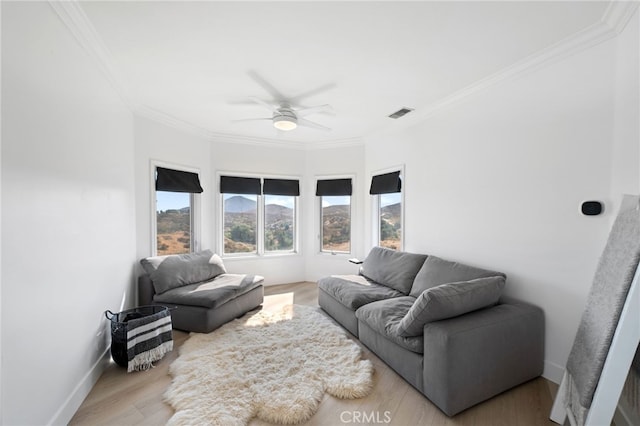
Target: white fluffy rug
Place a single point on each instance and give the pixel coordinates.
(272, 366)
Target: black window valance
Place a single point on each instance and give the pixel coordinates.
(177, 181)
(386, 183)
(334, 187)
(240, 185)
(281, 187)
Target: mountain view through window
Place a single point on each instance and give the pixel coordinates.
(241, 223)
(173, 223)
(336, 223)
(279, 222)
(391, 220)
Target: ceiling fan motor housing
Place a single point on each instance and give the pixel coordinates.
(285, 119)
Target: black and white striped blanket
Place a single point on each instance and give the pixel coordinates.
(148, 339)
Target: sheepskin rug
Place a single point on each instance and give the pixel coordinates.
(274, 366)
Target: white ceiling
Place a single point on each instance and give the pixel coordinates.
(199, 62)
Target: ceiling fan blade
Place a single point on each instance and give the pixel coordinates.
(296, 99)
(275, 94)
(307, 123)
(303, 112)
(263, 103)
(251, 119)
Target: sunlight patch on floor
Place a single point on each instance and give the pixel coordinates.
(275, 302)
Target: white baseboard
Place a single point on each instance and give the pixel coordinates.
(553, 372)
(73, 402)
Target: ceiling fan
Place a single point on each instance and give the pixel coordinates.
(284, 115)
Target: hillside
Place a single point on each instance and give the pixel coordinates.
(336, 228)
(239, 204)
(278, 211)
(336, 210)
(173, 243)
(279, 228)
(391, 213)
(240, 226)
(391, 226)
(173, 235)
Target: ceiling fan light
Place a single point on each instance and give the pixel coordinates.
(285, 123)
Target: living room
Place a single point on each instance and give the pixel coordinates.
(494, 173)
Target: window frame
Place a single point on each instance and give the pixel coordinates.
(318, 221)
(296, 229)
(261, 219)
(376, 206)
(221, 238)
(194, 199)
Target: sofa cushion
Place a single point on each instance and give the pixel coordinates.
(395, 269)
(211, 294)
(450, 300)
(354, 291)
(436, 271)
(384, 316)
(176, 270)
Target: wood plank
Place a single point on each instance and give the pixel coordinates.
(120, 398)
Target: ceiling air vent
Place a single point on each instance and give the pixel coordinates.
(399, 113)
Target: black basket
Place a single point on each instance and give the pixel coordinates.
(119, 329)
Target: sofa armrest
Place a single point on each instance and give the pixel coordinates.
(145, 290)
(473, 357)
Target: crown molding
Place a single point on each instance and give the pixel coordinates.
(336, 143)
(619, 13)
(612, 23)
(176, 123)
(258, 142)
(614, 20)
(171, 121)
(290, 144)
(78, 23)
(182, 125)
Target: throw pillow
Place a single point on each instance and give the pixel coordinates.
(177, 270)
(436, 271)
(395, 269)
(450, 300)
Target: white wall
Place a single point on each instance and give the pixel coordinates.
(497, 181)
(626, 131)
(162, 143)
(328, 163)
(231, 156)
(67, 215)
(157, 142)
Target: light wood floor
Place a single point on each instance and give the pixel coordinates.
(126, 399)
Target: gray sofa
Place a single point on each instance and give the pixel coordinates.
(443, 326)
(202, 296)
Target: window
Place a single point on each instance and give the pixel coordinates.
(387, 188)
(279, 223)
(259, 215)
(336, 224)
(335, 215)
(240, 217)
(174, 222)
(390, 218)
(175, 219)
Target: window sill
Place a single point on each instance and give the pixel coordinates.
(339, 255)
(265, 256)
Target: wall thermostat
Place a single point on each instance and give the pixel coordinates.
(591, 208)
